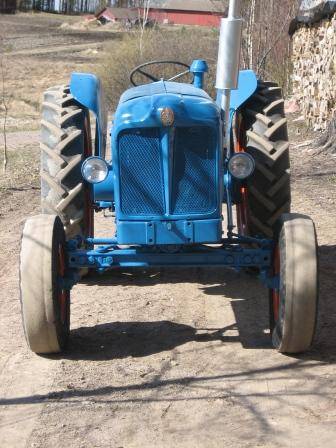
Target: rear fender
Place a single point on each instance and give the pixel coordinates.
(87, 90)
(247, 85)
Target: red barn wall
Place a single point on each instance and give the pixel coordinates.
(185, 17)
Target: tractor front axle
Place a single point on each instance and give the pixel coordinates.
(109, 257)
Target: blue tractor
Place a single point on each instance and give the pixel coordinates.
(178, 159)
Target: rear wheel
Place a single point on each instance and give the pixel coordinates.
(293, 307)
(45, 304)
(261, 130)
(65, 143)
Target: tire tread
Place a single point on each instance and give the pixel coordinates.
(267, 141)
(62, 152)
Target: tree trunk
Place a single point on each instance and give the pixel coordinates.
(327, 141)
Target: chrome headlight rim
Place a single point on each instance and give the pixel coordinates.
(242, 156)
(89, 162)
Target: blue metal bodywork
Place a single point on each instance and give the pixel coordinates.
(145, 157)
(114, 257)
(167, 182)
(199, 68)
(247, 85)
(86, 89)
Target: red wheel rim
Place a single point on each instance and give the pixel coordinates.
(242, 213)
(63, 294)
(88, 206)
(242, 207)
(275, 296)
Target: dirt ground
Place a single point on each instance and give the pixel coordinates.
(39, 52)
(161, 358)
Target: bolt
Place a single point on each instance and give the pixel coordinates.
(91, 260)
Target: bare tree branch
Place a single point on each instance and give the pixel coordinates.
(4, 102)
(274, 43)
(143, 23)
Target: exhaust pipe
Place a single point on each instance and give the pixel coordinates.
(228, 61)
(227, 80)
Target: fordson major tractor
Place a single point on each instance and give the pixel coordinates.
(182, 166)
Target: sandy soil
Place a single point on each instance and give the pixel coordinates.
(168, 358)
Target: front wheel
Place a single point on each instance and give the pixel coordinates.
(293, 307)
(45, 303)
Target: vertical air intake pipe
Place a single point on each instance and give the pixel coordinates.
(227, 80)
(228, 61)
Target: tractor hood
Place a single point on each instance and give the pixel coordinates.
(142, 106)
(161, 87)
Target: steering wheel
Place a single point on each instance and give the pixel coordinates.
(153, 78)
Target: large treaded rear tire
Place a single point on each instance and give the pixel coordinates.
(266, 139)
(64, 126)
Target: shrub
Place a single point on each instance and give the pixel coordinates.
(180, 44)
(174, 43)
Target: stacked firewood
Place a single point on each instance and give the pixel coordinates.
(314, 72)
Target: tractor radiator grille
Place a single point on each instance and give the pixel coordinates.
(194, 171)
(141, 178)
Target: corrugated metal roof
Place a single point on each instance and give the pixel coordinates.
(309, 4)
(219, 6)
(119, 13)
(312, 11)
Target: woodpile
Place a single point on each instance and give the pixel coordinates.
(314, 71)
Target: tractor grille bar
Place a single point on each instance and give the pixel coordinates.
(194, 171)
(141, 177)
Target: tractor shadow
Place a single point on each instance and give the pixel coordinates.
(324, 346)
(248, 299)
(117, 340)
(120, 340)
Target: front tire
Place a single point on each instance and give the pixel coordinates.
(45, 304)
(293, 308)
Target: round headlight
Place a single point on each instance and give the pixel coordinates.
(94, 170)
(241, 165)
